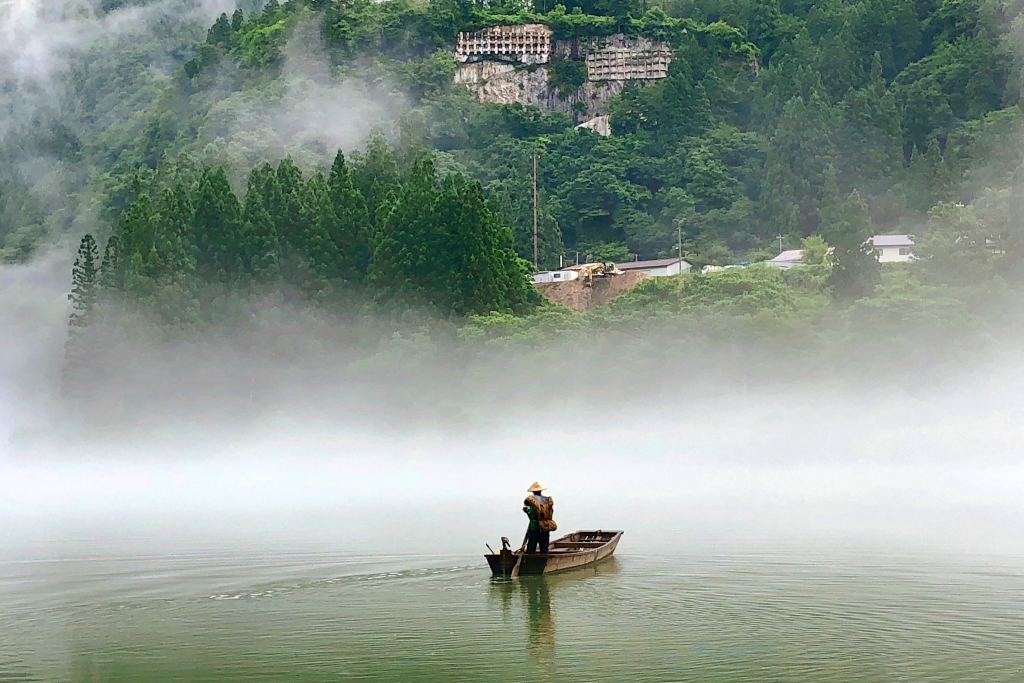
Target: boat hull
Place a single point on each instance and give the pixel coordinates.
(578, 549)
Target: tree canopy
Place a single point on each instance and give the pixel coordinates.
(208, 154)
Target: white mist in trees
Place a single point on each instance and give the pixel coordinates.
(968, 245)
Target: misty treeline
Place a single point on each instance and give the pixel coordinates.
(401, 236)
(825, 120)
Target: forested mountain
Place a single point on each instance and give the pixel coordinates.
(836, 118)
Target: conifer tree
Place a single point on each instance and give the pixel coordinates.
(799, 153)
(350, 231)
(319, 222)
(375, 175)
(220, 32)
(217, 225)
(261, 248)
(875, 133)
(406, 248)
(831, 210)
(263, 179)
(84, 282)
(110, 271)
(444, 243)
(137, 227)
(762, 20)
(855, 272)
(930, 177)
(289, 216)
(479, 270)
(174, 231)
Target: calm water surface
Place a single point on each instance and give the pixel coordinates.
(643, 616)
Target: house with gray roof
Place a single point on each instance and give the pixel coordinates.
(893, 248)
(662, 267)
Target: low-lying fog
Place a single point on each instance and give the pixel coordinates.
(882, 468)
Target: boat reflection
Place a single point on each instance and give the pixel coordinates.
(534, 596)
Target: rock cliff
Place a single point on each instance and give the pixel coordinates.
(505, 77)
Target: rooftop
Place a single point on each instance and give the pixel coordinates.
(892, 241)
(643, 265)
(788, 256)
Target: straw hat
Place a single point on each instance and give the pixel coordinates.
(536, 487)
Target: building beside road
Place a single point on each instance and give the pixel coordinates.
(893, 248)
(657, 268)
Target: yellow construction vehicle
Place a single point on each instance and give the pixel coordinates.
(599, 269)
(588, 271)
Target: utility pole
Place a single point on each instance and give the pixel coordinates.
(780, 242)
(535, 212)
(679, 238)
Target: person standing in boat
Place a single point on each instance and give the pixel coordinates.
(541, 511)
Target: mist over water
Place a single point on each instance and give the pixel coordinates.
(248, 496)
(294, 458)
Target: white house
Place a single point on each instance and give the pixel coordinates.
(658, 268)
(892, 248)
(787, 259)
(555, 276)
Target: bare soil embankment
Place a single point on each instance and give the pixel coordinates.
(580, 296)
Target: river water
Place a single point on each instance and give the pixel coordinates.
(292, 555)
(652, 613)
(814, 535)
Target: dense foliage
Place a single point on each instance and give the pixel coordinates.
(423, 242)
(832, 119)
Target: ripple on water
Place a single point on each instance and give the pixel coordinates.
(741, 617)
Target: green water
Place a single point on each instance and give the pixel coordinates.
(642, 616)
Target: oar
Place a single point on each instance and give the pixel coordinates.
(522, 551)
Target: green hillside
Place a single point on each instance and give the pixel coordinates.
(209, 155)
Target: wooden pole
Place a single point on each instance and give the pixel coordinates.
(535, 212)
(522, 551)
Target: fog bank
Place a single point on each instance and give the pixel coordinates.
(887, 465)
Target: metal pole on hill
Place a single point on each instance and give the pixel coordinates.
(535, 212)
(679, 237)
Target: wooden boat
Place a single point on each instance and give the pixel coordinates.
(578, 549)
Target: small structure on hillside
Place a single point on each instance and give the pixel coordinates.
(528, 44)
(491, 65)
(555, 276)
(657, 268)
(893, 248)
(787, 259)
(625, 64)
